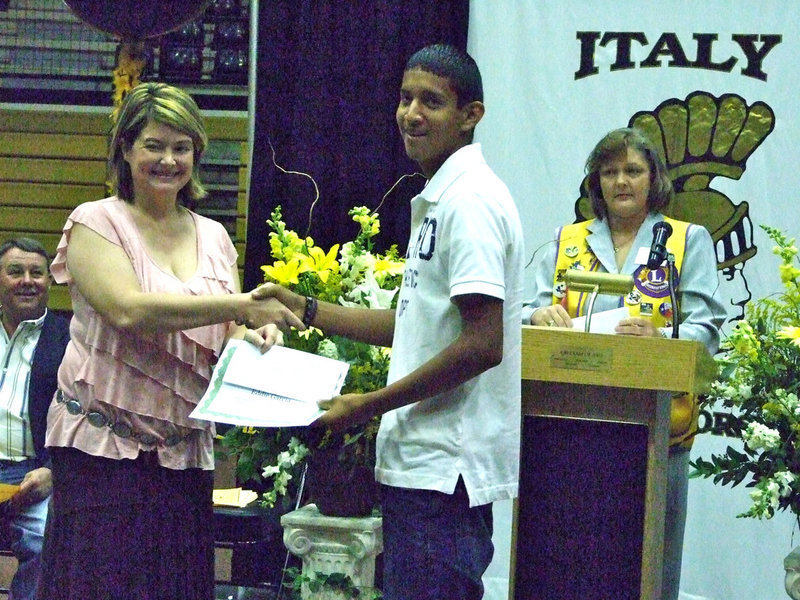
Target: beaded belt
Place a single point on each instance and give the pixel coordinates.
(123, 430)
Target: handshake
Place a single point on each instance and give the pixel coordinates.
(271, 310)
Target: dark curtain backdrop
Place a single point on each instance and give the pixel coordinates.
(329, 73)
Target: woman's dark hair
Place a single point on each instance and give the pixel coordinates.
(160, 103)
(614, 144)
(454, 65)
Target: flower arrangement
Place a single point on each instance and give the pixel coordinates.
(131, 60)
(352, 274)
(759, 383)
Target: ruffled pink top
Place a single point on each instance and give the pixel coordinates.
(150, 382)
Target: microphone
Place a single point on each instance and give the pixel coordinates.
(658, 249)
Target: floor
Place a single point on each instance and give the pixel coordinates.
(8, 566)
(227, 592)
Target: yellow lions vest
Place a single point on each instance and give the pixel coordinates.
(649, 298)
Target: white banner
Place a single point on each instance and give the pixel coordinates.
(717, 83)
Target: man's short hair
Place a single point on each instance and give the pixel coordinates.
(454, 65)
(26, 245)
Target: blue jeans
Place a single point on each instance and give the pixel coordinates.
(435, 545)
(26, 529)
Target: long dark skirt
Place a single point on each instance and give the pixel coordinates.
(127, 529)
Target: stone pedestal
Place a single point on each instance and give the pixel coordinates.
(346, 545)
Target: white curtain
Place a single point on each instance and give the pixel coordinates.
(545, 112)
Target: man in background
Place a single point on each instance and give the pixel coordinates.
(32, 344)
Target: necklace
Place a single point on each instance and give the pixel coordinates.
(620, 246)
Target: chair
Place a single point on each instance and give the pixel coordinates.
(255, 538)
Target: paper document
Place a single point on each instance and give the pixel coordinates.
(233, 497)
(7, 490)
(602, 322)
(277, 389)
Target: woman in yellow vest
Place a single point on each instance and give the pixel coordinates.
(628, 185)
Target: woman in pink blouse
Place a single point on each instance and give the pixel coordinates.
(155, 294)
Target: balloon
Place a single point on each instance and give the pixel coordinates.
(133, 20)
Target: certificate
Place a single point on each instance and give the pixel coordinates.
(602, 322)
(279, 388)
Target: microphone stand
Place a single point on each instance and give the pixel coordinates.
(672, 296)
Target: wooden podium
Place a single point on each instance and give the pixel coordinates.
(589, 520)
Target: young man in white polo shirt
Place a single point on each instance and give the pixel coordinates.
(449, 439)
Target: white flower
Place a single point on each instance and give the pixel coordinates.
(785, 480)
(352, 265)
(285, 459)
(758, 436)
(298, 449)
(765, 501)
(737, 389)
(280, 472)
(282, 481)
(377, 353)
(270, 470)
(789, 400)
(767, 493)
(369, 294)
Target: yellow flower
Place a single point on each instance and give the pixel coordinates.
(790, 333)
(744, 341)
(369, 222)
(789, 273)
(130, 63)
(787, 250)
(309, 331)
(294, 243)
(275, 246)
(385, 267)
(285, 273)
(323, 264)
(375, 228)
